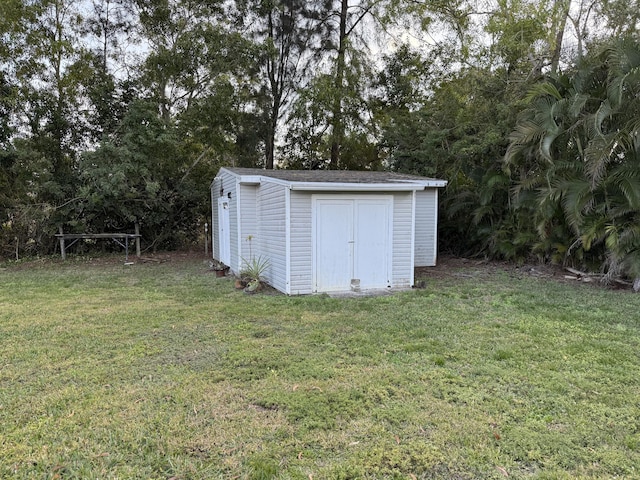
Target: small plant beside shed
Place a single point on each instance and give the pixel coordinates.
(252, 273)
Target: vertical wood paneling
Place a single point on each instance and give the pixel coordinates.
(426, 227)
(301, 244)
(249, 220)
(270, 238)
(402, 241)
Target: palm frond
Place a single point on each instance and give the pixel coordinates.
(594, 231)
(577, 104)
(543, 89)
(545, 147)
(527, 132)
(618, 86)
(629, 238)
(529, 182)
(459, 202)
(632, 130)
(630, 188)
(599, 153)
(481, 213)
(604, 111)
(577, 200)
(620, 211)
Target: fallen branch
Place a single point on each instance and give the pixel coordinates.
(620, 281)
(589, 277)
(152, 260)
(582, 274)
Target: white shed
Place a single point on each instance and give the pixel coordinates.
(326, 231)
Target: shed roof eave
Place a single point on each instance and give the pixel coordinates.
(400, 185)
(365, 187)
(343, 187)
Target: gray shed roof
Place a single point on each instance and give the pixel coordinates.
(337, 179)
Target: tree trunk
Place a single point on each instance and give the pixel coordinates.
(273, 110)
(562, 14)
(280, 34)
(270, 146)
(337, 124)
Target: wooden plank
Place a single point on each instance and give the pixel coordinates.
(89, 236)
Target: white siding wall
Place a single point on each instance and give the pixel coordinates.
(402, 269)
(271, 237)
(227, 182)
(302, 241)
(301, 244)
(249, 222)
(234, 224)
(426, 227)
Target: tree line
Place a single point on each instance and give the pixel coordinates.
(115, 112)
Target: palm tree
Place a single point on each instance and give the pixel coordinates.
(577, 148)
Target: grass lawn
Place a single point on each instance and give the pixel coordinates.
(163, 371)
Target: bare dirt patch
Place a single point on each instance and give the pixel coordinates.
(448, 266)
(457, 267)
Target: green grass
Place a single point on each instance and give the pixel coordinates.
(167, 372)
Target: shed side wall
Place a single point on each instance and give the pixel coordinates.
(402, 267)
(426, 227)
(271, 234)
(248, 222)
(225, 183)
(301, 244)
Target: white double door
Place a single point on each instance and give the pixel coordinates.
(352, 242)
